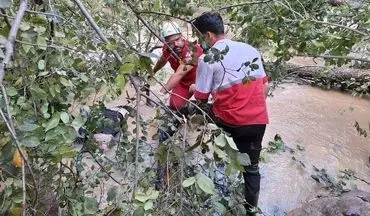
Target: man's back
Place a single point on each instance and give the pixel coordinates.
(235, 102)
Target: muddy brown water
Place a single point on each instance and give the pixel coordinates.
(322, 122)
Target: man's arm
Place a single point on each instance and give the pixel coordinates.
(175, 78)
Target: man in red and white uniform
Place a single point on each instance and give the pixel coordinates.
(184, 66)
(239, 106)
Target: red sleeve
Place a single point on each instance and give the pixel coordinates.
(265, 79)
(201, 96)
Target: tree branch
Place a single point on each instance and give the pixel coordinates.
(9, 46)
(341, 26)
(104, 38)
(243, 4)
(5, 17)
(10, 125)
(332, 24)
(336, 57)
(182, 168)
(93, 24)
(138, 98)
(163, 14)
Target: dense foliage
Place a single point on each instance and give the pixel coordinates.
(62, 73)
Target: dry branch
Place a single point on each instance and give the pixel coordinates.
(243, 4)
(9, 46)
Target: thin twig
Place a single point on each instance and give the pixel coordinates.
(331, 24)
(5, 17)
(243, 4)
(9, 46)
(24, 189)
(183, 162)
(163, 14)
(103, 168)
(138, 98)
(341, 26)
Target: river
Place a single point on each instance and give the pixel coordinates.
(323, 123)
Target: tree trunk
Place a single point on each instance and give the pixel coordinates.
(345, 79)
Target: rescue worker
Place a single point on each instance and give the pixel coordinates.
(238, 93)
(184, 64)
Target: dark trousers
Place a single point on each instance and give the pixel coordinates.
(248, 139)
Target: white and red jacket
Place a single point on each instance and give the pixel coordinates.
(233, 102)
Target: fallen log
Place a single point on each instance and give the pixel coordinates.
(343, 79)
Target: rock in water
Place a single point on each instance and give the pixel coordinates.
(353, 203)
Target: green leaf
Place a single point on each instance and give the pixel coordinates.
(53, 122)
(140, 211)
(127, 68)
(26, 47)
(31, 142)
(207, 58)
(220, 153)
(231, 143)
(5, 3)
(205, 183)
(65, 82)
(91, 206)
(120, 81)
(64, 117)
(148, 205)
(140, 196)
(59, 34)
(212, 126)
(24, 26)
(38, 93)
(112, 193)
(3, 39)
(188, 182)
(41, 42)
(40, 29)
(254, 66)
(243, 159)
(11, 91)
(220, 140)
(78, 122)
(219, 208)
(110, 46)
(27, 127)
(41, 64)
(152, 194)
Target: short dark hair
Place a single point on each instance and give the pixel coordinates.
(210, 21)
